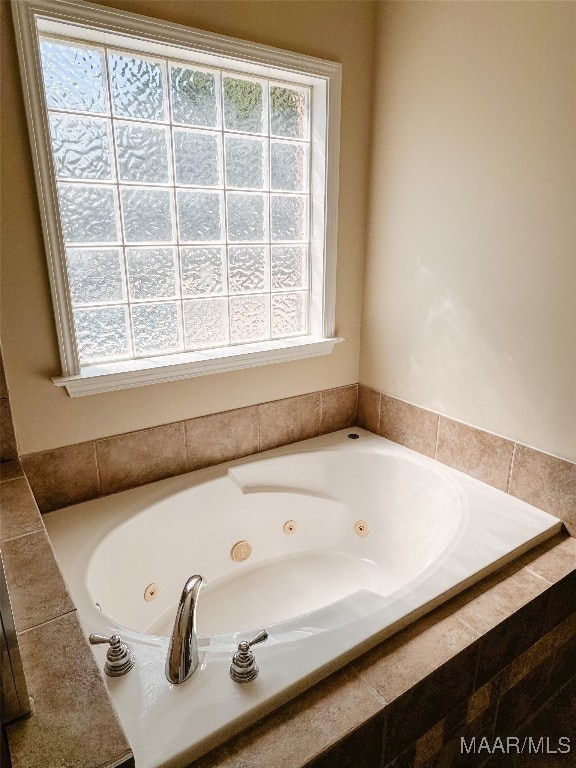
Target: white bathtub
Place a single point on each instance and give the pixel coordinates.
(324, 593)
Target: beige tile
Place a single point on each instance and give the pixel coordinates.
(310, 724)
(62, 476)
(368, 408)
(479, 702)
(553, 560)
(10, 470)
(136, 458)
(526, 662)
(413, 654)
(221, 437)
(19, 514)
(546, 482)
(408, 425)
(480, 454)
(290, 420)
(499, 596)
(37, 590)
(429, 744)
(73, 723)
(339, 408)
(8, 450)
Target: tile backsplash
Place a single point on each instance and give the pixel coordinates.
(76, 473)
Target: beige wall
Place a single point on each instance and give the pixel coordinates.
(44, 416)
(470, 280)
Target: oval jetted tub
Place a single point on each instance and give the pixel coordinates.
(331, 545)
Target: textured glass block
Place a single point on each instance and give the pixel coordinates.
(246, 164)
(203, 271)
(247, 269)
(88, 213)
(95, 276)
(151, 273)
(142, 152)
(288, 314)
(288, 112)
(147, 215)
(73, 77)
(194, 97)
(205, 323)
(288, 166)
(289, 266)
(81, 147)
(247, 216)
(289, 217)
(243, 105)
(156, 328)
(249, 318)
(101, 333)
(137, 87)
(197, 158)
(199, 215)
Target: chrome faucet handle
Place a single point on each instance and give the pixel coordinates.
(243, 668)
(119, 658)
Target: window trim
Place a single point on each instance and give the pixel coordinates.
(106, 24)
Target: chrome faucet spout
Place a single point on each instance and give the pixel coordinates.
(182, 658)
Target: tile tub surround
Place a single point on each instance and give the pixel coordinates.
(72, 722)
(75, 473)
(345, 715)
(538, 478)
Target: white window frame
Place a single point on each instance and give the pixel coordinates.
(104, 25)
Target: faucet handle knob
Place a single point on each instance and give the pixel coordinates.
(243, 668)
(119, 658)
(243, 645)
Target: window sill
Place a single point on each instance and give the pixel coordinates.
(108, 377)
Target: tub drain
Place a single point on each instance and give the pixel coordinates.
(361, 528)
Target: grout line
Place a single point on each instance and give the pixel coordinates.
(42, 529)
(98, 478)
(509, 482)
(437, 438)
(48, 621)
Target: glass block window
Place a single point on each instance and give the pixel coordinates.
(189, 194)
(184, 200)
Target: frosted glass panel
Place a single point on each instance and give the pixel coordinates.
(246, 163)
(194, 97)
(205, 323)
(73, 77)
(197, 158)
(137, 87)
(81, 147)
(95, 276)
(288, 314)
(243, 105)
(288, 112)
(248, 269)
(151, 273)
(203, 271)
(289, 267)
(289, 217)
(247, 216)
(199, 215)
(142, 152)
(101, 334)
(249, 318)
(155, 328)
(288, 166)
(147, 215)
(88, 214)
